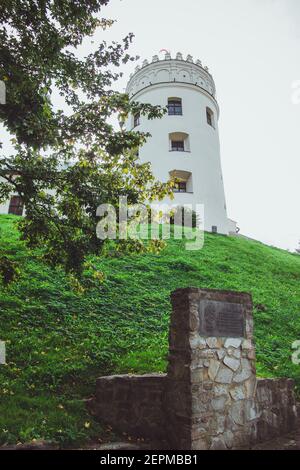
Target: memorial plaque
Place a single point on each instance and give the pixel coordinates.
(221, 319)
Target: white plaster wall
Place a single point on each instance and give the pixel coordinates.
(4, 207)
(232, 226)
(203, 160)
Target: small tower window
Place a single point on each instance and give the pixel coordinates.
(177, 145)
(174, 107)
(179, 142)
(15, 206)
(182, 181)
(210, 117)
(136, 120)
(180, 187)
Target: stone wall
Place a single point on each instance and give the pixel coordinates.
(277, 406)
(210, 397)
(131, 403)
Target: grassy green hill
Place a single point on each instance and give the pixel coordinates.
(58, 341)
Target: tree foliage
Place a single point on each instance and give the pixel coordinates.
(67, 159)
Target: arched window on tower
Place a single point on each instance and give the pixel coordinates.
(210, 117)
(179, 142)
(179, 187)
(136, 120)
(174, 106)
(182, 181)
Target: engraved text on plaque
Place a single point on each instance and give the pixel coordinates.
(221, 319)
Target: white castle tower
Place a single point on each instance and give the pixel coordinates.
(185, 142)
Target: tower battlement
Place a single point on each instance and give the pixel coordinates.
(168, 69)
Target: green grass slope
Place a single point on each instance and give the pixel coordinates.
(58, 342)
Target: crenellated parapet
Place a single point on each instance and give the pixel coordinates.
(177, 69)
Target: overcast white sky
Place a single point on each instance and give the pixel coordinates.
(252, 49)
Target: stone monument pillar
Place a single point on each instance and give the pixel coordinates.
(210, 398)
